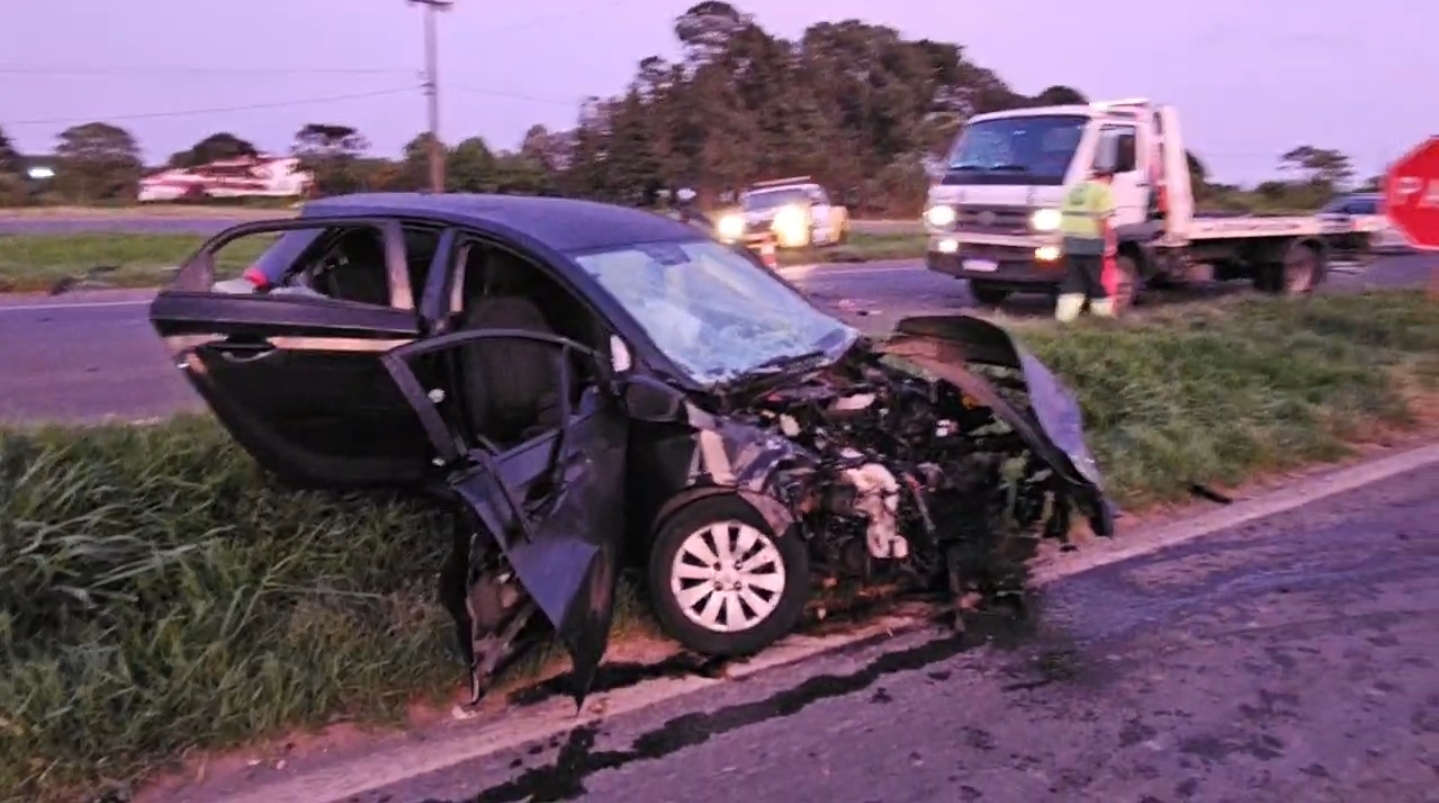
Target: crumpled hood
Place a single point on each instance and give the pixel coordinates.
(946, 345)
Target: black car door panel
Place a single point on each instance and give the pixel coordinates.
(554, 504)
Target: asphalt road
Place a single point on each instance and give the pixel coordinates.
(89, 356)
(1292, 659)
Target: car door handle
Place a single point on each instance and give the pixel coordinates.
(244, 352)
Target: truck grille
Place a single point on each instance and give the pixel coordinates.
(992, 220)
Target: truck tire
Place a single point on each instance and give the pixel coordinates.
(988, 294)
(1127, 287)
(1301, 271)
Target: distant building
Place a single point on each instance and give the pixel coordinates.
(261, 176)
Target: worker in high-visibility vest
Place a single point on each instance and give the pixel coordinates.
(1087, 224)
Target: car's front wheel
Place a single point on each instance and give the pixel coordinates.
(723, 582)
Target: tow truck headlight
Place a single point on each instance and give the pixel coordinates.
(730, 227)
(940, 217)
(1045, 219)
(791, 226)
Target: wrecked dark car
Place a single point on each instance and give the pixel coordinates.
(594, 387)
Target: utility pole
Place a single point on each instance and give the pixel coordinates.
(432, 90)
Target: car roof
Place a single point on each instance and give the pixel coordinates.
(565, 224)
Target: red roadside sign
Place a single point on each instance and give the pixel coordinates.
(1411, 195)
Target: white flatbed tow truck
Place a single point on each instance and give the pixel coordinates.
(993, 218)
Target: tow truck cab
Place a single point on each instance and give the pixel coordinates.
(993, 218)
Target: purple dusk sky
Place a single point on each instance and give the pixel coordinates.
(1251, 78)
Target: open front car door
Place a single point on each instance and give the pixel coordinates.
(543, 498)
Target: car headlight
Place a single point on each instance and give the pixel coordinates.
(730, 227)
(791, 225)
(1045, 219)
(940, 217)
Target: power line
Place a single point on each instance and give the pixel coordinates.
(163, 70)
(213, 109)
(55, 70)
(495, 93)
(278, 105)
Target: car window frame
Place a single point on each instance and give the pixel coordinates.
(197, 272)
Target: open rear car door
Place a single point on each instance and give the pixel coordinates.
(297, 378)
(554, 502)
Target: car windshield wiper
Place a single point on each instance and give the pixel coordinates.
(778, 364)
(962, 168)
(1009, 169)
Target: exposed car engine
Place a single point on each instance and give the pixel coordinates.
(913, 481)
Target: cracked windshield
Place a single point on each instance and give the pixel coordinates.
(710, 310)
(1030, 147)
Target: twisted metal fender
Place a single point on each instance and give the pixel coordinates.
(946, 344)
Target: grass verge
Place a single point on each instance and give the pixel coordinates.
(860, 248)
(158, 594)
(36, 262)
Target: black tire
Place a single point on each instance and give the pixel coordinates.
(843, 236)
(1302, 270)
(988, 294)
(1127, 290)
(731, 511)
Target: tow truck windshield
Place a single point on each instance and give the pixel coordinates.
(1031, 150)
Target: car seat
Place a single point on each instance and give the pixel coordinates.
(511, 386)
(364, 277)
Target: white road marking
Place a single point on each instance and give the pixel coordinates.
(353, 777)
(4, 308)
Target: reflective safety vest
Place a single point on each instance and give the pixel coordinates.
(1084, 206)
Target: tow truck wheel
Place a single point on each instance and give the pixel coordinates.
(723, 582)
(988, 294)
(1301, 271)
(1126, 286)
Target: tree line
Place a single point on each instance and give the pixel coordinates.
(857, 106)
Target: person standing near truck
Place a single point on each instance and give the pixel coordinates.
(1087, 218)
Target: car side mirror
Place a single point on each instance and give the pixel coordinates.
(648, 399)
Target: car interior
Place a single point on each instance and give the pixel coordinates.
(510, 389)
(349, 264)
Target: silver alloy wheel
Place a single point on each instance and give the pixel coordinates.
(727, 577)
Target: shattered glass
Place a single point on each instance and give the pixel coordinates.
(711, 310)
